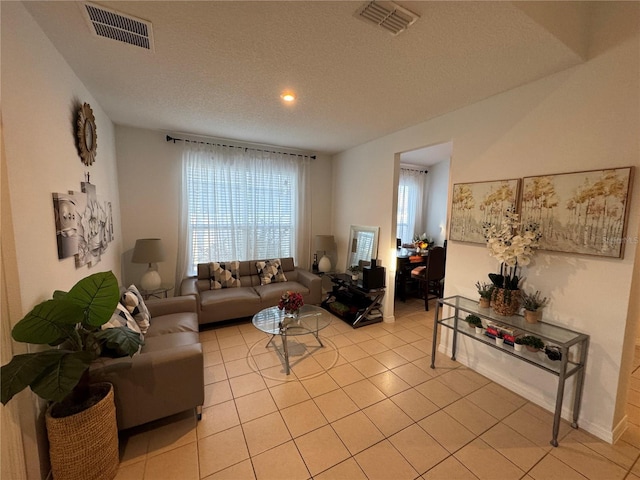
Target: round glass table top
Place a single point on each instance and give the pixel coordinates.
(310, 319)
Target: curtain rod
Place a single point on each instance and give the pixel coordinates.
(174, 140)
(417, 170)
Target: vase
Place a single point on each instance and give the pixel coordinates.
(517, 347)
(499, 341)
(532, 317)
(485, 302)
(85, 445)
(479, 330)
(505, 302)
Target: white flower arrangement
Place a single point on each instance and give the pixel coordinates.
(513, 246)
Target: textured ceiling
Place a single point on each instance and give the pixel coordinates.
(219, 67)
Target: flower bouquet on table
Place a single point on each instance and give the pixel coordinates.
(291, 303)
(422, 243)
(513, 245)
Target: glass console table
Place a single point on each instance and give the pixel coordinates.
(573, 347)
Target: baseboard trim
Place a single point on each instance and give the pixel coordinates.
(534, 396)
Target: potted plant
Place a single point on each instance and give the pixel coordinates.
(81, 421)
(499, 339)
(532, 343)
(485, 290)
(533, 304)
(513, 245)
(517, 344)
(355, 272)
(473, 321)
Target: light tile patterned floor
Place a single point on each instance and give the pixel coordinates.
(367, 406)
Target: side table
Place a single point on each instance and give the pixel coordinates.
(161, 292)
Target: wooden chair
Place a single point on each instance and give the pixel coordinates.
(431, 277)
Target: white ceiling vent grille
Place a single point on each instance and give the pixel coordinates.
(388, 15)
(108, 23)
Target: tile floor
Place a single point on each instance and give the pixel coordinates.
(367, 406)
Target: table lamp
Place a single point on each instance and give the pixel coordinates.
(149, 250)
(324, 243)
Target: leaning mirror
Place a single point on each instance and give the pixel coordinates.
(363, 244)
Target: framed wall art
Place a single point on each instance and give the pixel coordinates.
(582, 212)
(474, 205)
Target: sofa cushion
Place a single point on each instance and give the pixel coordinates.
(224, 275)
(173, 323)
(222, 297)
(270, 294)
(133, 301)
(173, 340)
(270, 271)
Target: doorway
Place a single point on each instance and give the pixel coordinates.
(423, 189)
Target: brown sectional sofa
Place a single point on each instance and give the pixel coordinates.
(167, 376)
(250, 297)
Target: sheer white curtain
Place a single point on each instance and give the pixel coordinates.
(410, 204)
(242, 204)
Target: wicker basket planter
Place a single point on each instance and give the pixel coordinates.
(506, 302)
(84, 446)
(532, 317)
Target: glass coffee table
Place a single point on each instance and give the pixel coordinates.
(310, 320)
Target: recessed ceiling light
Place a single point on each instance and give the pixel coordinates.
(288, 97)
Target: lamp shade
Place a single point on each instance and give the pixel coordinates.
(148, 250)
(324, 243)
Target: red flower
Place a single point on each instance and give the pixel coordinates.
(291, 301)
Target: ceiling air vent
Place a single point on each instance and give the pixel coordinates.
(108, 23)
(388, 15)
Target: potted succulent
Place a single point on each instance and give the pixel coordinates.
(533, 304)
(499, 339)
(485, 291)
(517, 344)
(532, 343)
(355, 272)
(473, 321)
(80, 419)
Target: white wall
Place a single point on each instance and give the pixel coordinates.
(586, 117)
(149, 170)
(40, 94)
(437, 198)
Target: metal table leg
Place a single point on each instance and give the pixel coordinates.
(287, 370)
(559, 397)
(435, 335)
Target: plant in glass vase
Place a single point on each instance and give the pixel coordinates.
(513, 244)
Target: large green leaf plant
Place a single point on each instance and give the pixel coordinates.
(71, 322)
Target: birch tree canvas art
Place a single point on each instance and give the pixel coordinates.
(476, 205)
(583, 212)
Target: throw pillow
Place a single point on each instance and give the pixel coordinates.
(121, 318)
(270, 271)
(133, 301)
(224, 275)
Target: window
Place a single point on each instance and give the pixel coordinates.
(240, 205)
(410, 200)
